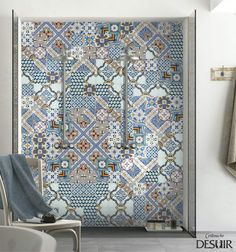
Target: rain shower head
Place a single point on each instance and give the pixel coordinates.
(128, 54)
(64, 56)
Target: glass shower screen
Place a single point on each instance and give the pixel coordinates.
(107, 122)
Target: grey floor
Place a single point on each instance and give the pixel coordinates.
(135, 240)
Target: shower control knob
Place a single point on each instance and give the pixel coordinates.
(71, 146)
(64, 146)
(57, 145)
(118, 146)
(133, 146)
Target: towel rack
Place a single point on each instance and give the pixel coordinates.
(223, 73)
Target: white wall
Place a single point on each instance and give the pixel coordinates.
(216, 189)
(216, 40)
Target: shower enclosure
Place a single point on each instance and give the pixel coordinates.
(110, 109)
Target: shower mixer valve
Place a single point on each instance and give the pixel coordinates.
(126, 147)
(64, 145)
(127, 150)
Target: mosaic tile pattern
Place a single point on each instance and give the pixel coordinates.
(95, 181)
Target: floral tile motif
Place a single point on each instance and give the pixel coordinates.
(96, 180)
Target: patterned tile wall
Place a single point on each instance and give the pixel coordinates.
(94, 180)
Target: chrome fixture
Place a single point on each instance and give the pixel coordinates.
(64, 58)
(126, 57)
(63, 145)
